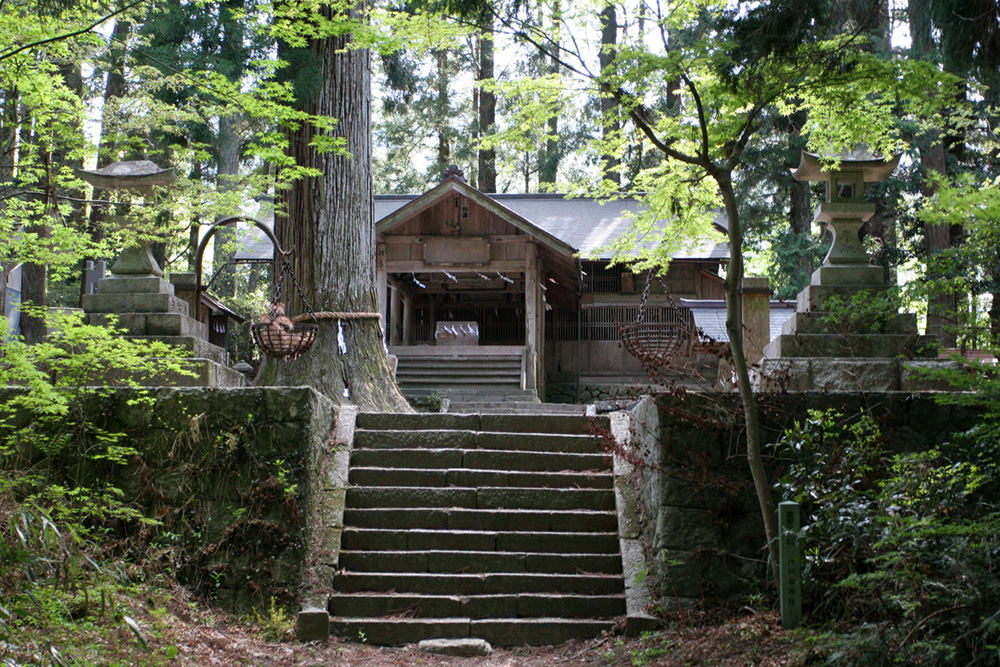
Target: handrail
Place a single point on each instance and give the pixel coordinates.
(211, 232)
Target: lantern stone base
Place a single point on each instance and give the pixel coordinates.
(851, 345)
(844, 374)
(145, 308)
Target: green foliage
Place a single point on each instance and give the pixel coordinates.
(969, 270)
(900, 545)
(275, 624)
(74, 362)
(65, 600)
(864, 312)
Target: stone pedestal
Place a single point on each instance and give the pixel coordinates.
(756, 317)
(146, 307)
(819, 350)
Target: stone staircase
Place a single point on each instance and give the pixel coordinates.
(500, 527)
(462, 373)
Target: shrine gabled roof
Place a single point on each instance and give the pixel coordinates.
(570, 224)
(392, 210)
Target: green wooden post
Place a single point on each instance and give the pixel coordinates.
(791, 570)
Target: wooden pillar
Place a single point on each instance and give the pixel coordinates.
(531, 314)
(540, 334)
(381, 284)
(395, 315)
(407, 319)
(756, 317)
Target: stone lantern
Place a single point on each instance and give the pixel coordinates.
(821, 351)
(137, 176)
(143, 304)
(844, 212)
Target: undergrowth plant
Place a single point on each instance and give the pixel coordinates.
(56, 518)
(899, 547)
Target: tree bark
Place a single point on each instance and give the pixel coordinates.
(444, 147)
(35, 277)
(330, 227)
(486, 157)
(114, 88)
(609, 40)
(941, 306)
(548, 164)
(734, 327)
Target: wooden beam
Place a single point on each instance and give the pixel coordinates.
(502, 265)
(381, 283)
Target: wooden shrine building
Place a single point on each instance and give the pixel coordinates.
(489, 290)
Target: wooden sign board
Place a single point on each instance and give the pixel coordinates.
(448, 250)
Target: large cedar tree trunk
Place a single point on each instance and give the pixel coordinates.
(330, 228)
(486, 157)
(609, 42)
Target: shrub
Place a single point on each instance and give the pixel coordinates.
(902, 542)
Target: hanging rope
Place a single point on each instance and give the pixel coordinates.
(336, 315)
(288, 338)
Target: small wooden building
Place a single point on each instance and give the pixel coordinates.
(486, 289)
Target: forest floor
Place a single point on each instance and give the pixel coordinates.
(735, 637)
(157, 623)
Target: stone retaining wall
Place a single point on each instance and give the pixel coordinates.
(231, 474)
(702, 521)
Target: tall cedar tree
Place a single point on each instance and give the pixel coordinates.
(329, 227)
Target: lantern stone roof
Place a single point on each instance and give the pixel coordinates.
(128, 174)
(874, 167)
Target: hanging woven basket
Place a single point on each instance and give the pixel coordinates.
(654, 343)
(281, 342)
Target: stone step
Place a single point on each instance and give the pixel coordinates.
(555, 542)
(515, 408)
(488, 497)
(501, 605)
(153, 324)
(126, 284)
(467, 383)
(479, 583)
(498, 526)
(442, 439)
(207, 374)
(439, 370)
(567, 424)
(458, 361)
(817, 322)
(460, 561)
(201, 373)
(481, 459)
(374, 476)
(193, 347)
(133, 303)
(416, 520)
(497, 631)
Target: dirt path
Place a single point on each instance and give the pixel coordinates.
(739, 639)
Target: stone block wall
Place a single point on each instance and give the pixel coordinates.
(702, 522)
(233, 475)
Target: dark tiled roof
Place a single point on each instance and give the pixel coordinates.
(583, 223)
(710, 317)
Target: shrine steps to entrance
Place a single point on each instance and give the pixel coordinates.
(499, 527)
(462, 372)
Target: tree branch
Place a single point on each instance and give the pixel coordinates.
(68, 35)
(702, 121)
